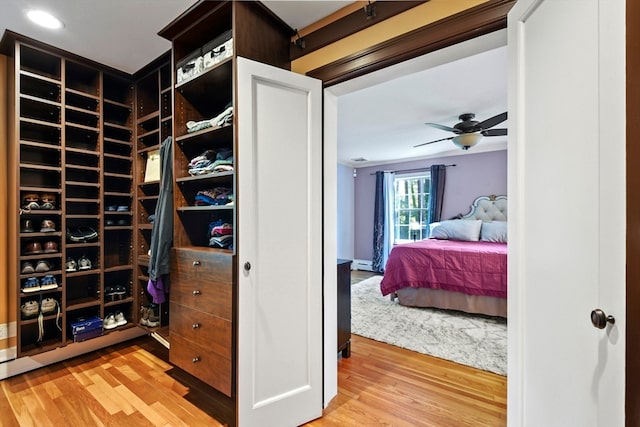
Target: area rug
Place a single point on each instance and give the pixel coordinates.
(473, 340)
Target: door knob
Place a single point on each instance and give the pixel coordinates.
(247, 266)
(600, 320)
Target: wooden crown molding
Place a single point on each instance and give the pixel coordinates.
(477, 21)
(348, 25)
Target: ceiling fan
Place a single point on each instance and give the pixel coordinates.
(469, 132)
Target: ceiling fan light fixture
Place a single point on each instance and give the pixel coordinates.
(467, 140)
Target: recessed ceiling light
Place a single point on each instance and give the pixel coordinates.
(44, 19)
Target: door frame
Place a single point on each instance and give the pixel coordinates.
(429, 39)
(632, 380)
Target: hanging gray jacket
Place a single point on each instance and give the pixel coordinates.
(162, 232)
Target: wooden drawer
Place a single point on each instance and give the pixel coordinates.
(202, 363)
(201, 328)
(203, 281)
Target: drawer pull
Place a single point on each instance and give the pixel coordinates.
(196, 292)
(196, 359)
(195, 325)
(196, 263)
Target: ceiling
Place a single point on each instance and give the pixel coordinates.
(380, 123)
(384, 121)
(123, 34)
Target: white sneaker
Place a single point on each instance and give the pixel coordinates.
(110, 322)
(120, 320)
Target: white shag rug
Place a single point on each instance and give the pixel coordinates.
(473, 340)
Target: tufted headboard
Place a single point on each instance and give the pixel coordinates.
(488, 208)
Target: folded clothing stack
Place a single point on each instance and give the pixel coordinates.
(220, 234)
(222, 119)
(211, 161)
(213, 197)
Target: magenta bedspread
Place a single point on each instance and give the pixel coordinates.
(474, 268)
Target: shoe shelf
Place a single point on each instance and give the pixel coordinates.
(34, 349)
(80, 132)
(82, 102)
(46, 273)
(118, 268)
(82, 303)
(38, 158)
(39, 87)
(115, 146)
(92, 272)
(153, 126)
(117, 175)
(35, 320)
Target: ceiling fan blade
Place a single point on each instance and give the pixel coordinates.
(494, 132)
(492, 121)
(431, 142)
(443, 127)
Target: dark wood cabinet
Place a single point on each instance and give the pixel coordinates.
(344, 307)
(206, 42)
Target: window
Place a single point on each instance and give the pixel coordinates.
(411, 206)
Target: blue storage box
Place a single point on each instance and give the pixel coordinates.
(85, 328)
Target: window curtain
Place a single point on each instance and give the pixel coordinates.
(436, 192)
(383, 221)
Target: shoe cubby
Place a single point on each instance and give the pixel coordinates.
(80, 102)
(40, 63)
(33, 133)
(117, 164)
(83, 290)
(71, 155)
(80, 158)
(38, 88)
(39, 337)
(81, 78)
(40, 110)
(80, 138)
(118, 247)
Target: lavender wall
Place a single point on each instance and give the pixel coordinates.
(474, 175)
(345, 232)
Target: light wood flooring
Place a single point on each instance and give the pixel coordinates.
(132, 384)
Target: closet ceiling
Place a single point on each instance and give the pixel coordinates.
(381, 123)
(123, 33)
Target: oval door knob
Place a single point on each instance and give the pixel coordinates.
(600, 319)
(247, 266)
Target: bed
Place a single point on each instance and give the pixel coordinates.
(464, 268)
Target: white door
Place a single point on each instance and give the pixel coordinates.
(567, 212)
(279, 254)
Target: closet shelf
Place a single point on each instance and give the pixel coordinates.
(82, 93)
(39, 77)
(40, 122)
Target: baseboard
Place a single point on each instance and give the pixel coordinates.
(361, 264)
(25, 364)
(7, 354)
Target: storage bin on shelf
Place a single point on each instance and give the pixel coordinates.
(85, 328)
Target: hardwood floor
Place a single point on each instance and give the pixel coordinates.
(132, 384)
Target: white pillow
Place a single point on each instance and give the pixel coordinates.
(457, 229)
(494, 231)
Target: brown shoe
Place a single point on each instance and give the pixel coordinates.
(48, 201)
(30, 201)
(50, 247)
(47, 226)
(33, 248)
